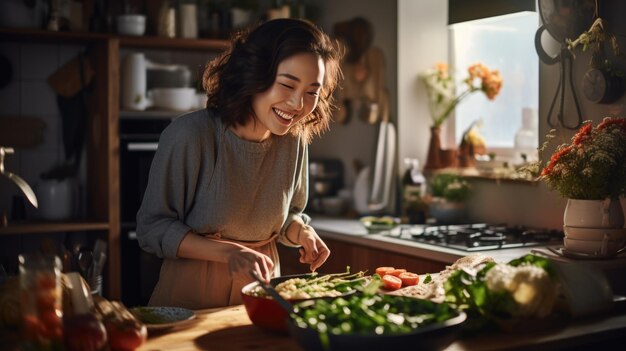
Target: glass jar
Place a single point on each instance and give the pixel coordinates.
(42, 307)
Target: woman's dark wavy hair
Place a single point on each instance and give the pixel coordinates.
(249, 67)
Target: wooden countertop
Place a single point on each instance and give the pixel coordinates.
(227, 328)
(230, 329)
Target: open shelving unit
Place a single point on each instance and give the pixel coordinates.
(102, 146)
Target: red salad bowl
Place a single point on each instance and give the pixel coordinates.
(265, 312)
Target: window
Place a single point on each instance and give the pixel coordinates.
(505, 43)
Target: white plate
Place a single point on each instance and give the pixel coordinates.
(157, 318)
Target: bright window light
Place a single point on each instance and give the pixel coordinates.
(505, 43)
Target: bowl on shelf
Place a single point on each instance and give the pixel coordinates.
(131, 25)
(173, 99)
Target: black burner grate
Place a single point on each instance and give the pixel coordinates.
(482, 236)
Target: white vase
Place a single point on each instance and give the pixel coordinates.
(56, 199)
(607, 213)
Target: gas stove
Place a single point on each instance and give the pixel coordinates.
(482, 236)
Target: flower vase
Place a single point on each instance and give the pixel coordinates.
(594, 227)
(607, 213)
(433, 160)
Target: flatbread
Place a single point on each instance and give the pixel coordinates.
(434, 290)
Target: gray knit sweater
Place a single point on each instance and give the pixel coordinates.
(206, 179)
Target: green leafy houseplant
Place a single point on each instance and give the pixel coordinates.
(451, 187)
(593, 165)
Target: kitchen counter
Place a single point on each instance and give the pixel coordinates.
(353, 231)
(229, 328)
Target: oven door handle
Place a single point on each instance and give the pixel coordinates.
(142, 146)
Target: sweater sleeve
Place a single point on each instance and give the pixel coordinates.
(300, 195)
(171, 188)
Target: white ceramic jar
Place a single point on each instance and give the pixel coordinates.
(56, 199)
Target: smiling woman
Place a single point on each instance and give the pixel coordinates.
(229, 181)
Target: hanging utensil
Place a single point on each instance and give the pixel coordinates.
(21, 183)
(564, 62)
(382, 183)
(563, 20)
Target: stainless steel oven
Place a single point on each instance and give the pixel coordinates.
(139, 139)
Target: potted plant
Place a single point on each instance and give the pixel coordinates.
(590, 171)
(448, 193)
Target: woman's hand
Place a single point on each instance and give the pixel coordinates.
(244, 260)
(313, 250)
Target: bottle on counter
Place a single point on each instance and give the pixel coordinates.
(414, 188)
(526, 138)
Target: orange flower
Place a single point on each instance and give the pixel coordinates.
(593, 165)
(491, 84)
(554, 159)
(477, 70)
(441, 67)
(612, 121)
(441, 88)
(584, 133)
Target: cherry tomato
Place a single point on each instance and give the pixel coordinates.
(125, 337)
(50, 318)
(391, 282)
(32, 327)
(381, 271)
(46, 300)
(409, 278)
(84, 332)
(396, 272)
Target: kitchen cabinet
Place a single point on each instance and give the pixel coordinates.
(102, 136)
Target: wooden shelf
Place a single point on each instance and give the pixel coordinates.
(45, 36)
(217, 45)
(148, 42)
(151, 114)
(34, 227)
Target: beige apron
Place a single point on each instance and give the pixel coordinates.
(196, 284)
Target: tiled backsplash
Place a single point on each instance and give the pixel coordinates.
(29, 95)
